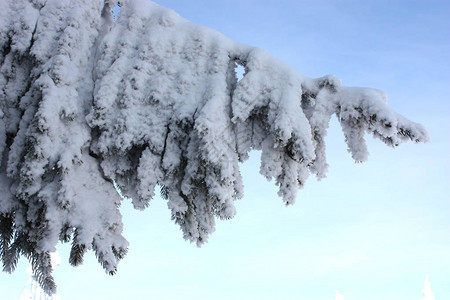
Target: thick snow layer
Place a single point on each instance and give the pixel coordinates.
(151, 100)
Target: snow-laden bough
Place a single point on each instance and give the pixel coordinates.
(150, 100)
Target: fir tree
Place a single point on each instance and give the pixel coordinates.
(150, 100)
(427, 292)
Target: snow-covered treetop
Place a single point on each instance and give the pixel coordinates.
(339, 296)
(148, 100)
(427, 292)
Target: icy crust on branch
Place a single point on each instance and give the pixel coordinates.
(151, 100)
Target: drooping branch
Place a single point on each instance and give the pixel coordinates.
(151, 100)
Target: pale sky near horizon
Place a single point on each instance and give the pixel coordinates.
(371, 231)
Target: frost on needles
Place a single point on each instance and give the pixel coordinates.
(150, 100)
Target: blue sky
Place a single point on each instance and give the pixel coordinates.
(371, 231)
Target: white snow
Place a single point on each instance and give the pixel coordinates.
(427, 293)
(153, 100)
(339, 296)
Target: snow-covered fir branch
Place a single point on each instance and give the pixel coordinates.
(151, 100)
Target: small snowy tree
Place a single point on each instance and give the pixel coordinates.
(150, 100)
(339, 296)
(427, 293)
(33, 291)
